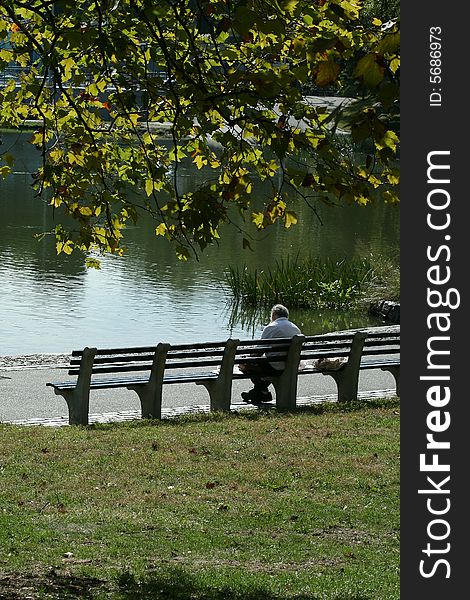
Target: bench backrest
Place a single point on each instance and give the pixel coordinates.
(211, 354)
(326, 346)
(376, 343)
(126, 360)
(248, 351)
(380, 343)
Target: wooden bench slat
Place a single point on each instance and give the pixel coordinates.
(148, 358)
(308, 355)
(346, 335)
(123, 382)
(129, 368)
(378, 363)
(151, 349)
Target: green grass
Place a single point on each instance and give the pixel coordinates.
(257, 505)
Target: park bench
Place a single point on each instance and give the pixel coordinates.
(369, 349)
(213, 365)
(382, 351)
(146, 369)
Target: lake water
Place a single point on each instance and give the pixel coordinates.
(51, 303)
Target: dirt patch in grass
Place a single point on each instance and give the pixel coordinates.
(18, 586)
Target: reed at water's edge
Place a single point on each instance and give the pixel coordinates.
(315, 283)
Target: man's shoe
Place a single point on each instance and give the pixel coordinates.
(265, 396)
(247, 396)
(256, 398)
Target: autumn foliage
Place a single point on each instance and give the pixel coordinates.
(228, 80)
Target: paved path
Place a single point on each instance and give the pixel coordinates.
(25, 399)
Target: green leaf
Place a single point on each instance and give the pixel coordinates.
(9, 159)
(327, 73)
(369, 70)
(389, 44)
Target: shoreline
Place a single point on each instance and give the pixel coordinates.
(34, 361)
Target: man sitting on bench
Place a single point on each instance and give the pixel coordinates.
(279, 327)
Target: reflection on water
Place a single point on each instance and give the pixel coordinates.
(52, 303)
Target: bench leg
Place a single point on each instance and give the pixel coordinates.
(220, 389)
(150, 397)
(347, 378)
(78, 406)
(150, 394)
(220, 394)
(395, 371)
(347, 384)
(285, 384)
(78, 399)
(286, 390)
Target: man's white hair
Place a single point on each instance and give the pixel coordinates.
(279, 310)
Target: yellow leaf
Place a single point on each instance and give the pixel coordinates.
(65, 247)
(389, 140)
(149, 187)
(258, 219)
(134, 118)
(289, 6)
(92, 263)
(6, 55)
(93, 89)
(67, 64)
(56, 201)
(394, 65)
(4, 171)
(199, 161)
(290, 218)
(37, 138)
(391, 197)
(101, 85)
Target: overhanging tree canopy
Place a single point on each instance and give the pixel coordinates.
(229, 80)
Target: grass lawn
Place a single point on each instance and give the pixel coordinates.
(256, 505)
